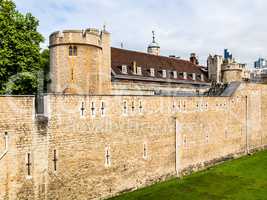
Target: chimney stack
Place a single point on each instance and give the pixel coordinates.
(193, 59)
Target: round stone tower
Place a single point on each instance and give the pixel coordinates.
(153, 47)
(232, 71)
(80, 62)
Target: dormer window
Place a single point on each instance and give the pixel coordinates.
(194, 76)
(174, 74)
(139, 71)
(190, 76)
(184, 75)
(152, 72)
(124, 69)
(202, 77)
(73, 51)
(164, 74)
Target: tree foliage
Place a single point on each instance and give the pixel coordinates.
(45, 58)
(20, 58)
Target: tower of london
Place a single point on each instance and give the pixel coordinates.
(115, 120)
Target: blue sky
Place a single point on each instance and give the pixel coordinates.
(181, 26)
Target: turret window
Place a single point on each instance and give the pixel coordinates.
(73, 51)
(70, 51)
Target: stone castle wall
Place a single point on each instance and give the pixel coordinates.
(98, 146)
(17, 119)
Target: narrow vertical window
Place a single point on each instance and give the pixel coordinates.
(145, 151)
(125, 107)
(72, 74)
(179, 106)
(102, 108)
(140, 106)
(55, 160)
(28, 164)
(82, 109)
(93, 109)
(185, 140)
(70, 51)
(184, 106)
(133, 106)
(75, 51)
(107, 157)
(173, 106)
(207, 138)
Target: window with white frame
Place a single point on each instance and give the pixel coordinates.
(164, 73)
(202, 77)
(175, 74)
(139, 71)
(194, 76)
(124, 69)
(152, 72)
(184, 75)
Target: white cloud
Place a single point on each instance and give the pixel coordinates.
(182, 26)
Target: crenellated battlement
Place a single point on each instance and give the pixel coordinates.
(89, 36)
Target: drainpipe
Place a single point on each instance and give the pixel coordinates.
(6, 146)
(247, 145)
(176, 147)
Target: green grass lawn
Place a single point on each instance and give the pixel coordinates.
(242, 179)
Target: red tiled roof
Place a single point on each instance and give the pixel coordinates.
(146, 61)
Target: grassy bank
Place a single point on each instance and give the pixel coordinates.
(242, 179)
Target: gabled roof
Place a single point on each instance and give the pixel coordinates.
(146, 61)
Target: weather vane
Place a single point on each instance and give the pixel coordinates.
(153, 33)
